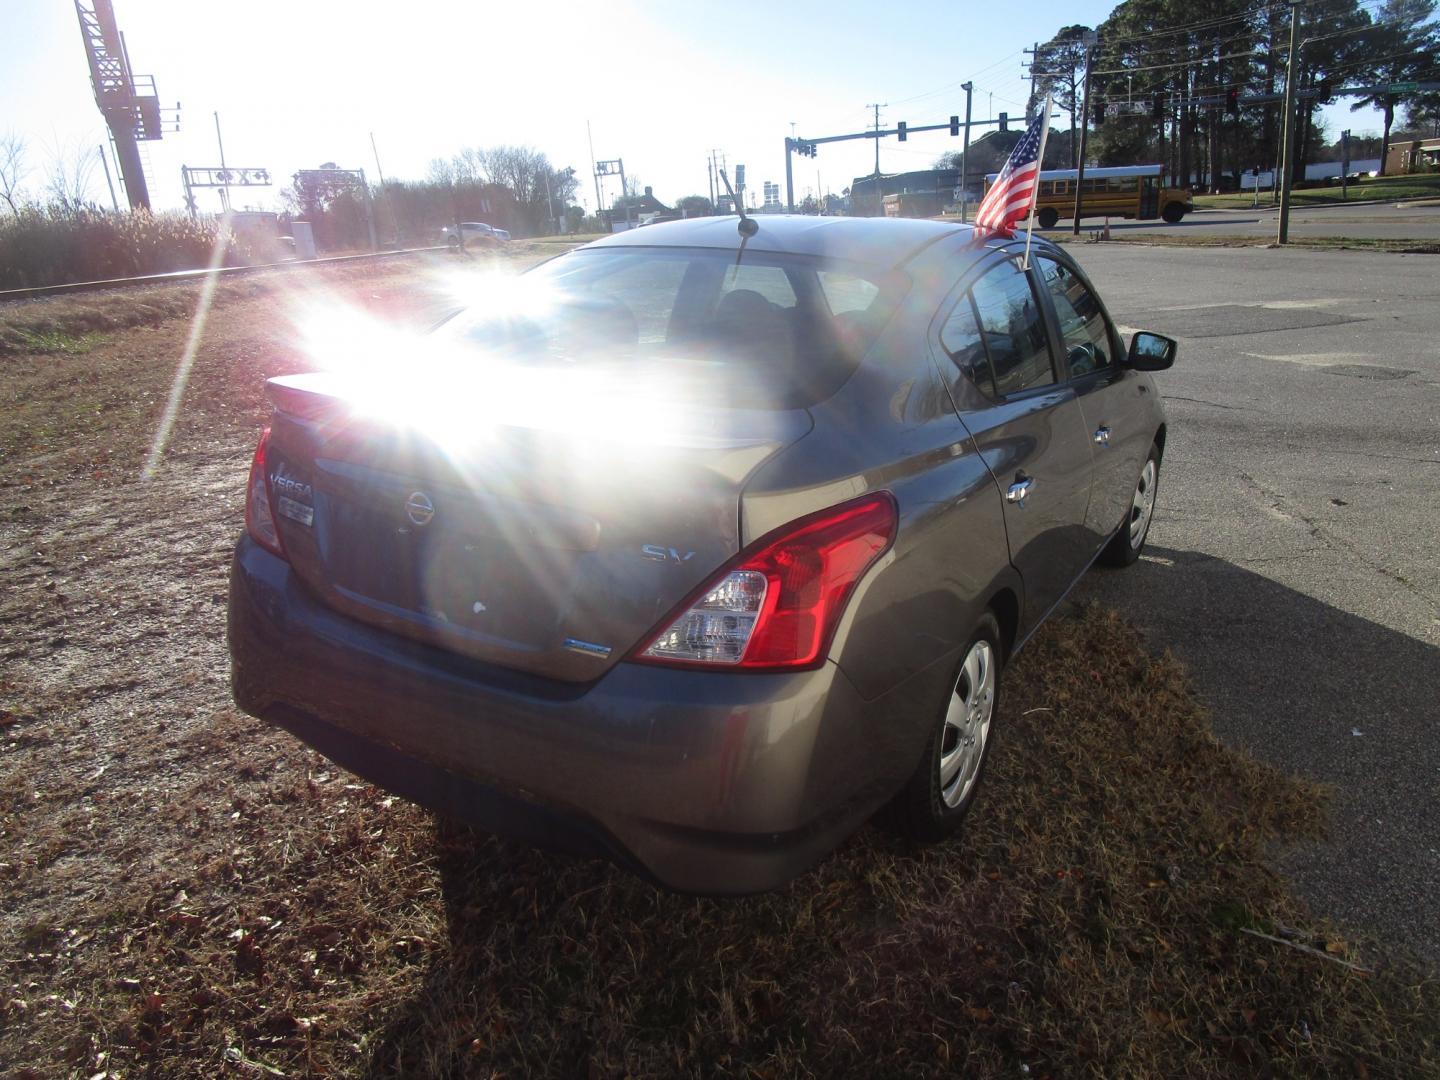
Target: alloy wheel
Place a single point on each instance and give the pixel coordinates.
(967, 724)
(1143, 505)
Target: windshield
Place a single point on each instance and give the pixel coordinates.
(769, 331)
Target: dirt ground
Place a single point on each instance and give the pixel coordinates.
(185, 891)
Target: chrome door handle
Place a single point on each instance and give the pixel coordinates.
(1102, 436)
(1019, 490)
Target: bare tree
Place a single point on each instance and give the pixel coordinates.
(441, 172)
(13, 169)
(469, 166)
(72, 166)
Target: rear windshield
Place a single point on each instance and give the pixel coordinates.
(768, 331)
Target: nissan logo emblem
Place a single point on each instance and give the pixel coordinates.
(419, 509)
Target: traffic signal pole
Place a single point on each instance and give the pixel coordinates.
(969, 89)
(798, 145)
(789, 178)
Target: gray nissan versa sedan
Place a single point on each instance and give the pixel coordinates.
(695, 548)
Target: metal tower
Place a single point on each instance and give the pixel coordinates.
(129, 104)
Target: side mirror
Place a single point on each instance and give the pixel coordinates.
(1150, 352)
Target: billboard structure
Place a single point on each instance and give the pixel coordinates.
(128, 102)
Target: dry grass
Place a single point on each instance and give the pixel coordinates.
(1318, 243)
(1388, 188)
(187, 892)
(50, 245)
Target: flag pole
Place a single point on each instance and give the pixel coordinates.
(1039, 168)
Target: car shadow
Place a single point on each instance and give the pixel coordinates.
(1322, 693)
(1286, 676)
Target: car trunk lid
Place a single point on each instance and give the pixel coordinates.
(546, 539)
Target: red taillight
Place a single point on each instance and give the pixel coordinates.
(777, 604)
(259, 521)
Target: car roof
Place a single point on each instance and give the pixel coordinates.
(878, 241)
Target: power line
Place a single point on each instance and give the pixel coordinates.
(960, 84)
(1183, 63)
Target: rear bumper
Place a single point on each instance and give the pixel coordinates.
(706, 782)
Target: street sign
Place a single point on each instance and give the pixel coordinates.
(1404, 87)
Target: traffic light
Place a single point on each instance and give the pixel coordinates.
(1004, 121)
(1157, 107)
(1232, 102)
(1326, 90)
(1099, 114)
(900, 129)
(954, 125)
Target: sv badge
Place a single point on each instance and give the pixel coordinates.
(660, 554)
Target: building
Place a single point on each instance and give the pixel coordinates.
(633, 211)
(772, 195)
(1412, 156)
(925, 193)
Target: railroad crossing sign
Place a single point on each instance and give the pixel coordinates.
(230, 177)
(223, 178)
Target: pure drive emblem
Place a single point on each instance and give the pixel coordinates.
(419, 509)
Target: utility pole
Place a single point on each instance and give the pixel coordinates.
(593, 171)
(1288, 137)
(1345, 165)
(877, 108)
(224, 191)
(969, 88)
(624, 194)
(385, 195)
(111, 184)
(1090, 40)
(1034, 63)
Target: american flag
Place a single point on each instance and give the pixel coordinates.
(1010, 197)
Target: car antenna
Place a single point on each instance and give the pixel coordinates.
(748, 226)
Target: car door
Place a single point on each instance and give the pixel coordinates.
(1113, 399)
(1027, 426)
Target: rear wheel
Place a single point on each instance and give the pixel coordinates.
(1129, 540)
(937, 796)
(1048, 217)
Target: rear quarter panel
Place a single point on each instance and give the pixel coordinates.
(893, 427)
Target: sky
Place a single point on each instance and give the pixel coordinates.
(297, 83)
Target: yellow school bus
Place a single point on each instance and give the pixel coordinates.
(1125, 191)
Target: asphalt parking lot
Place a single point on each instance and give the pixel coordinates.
(1293, 560)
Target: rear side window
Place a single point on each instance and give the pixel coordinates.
(648, 288)
(771, 282)
(1014, 330)
(846, 292)
(961, 338)
(761, 334)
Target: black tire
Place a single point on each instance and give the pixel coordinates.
(920, 811)
(1123, 549)
(1173, 212)
(1047, 217)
